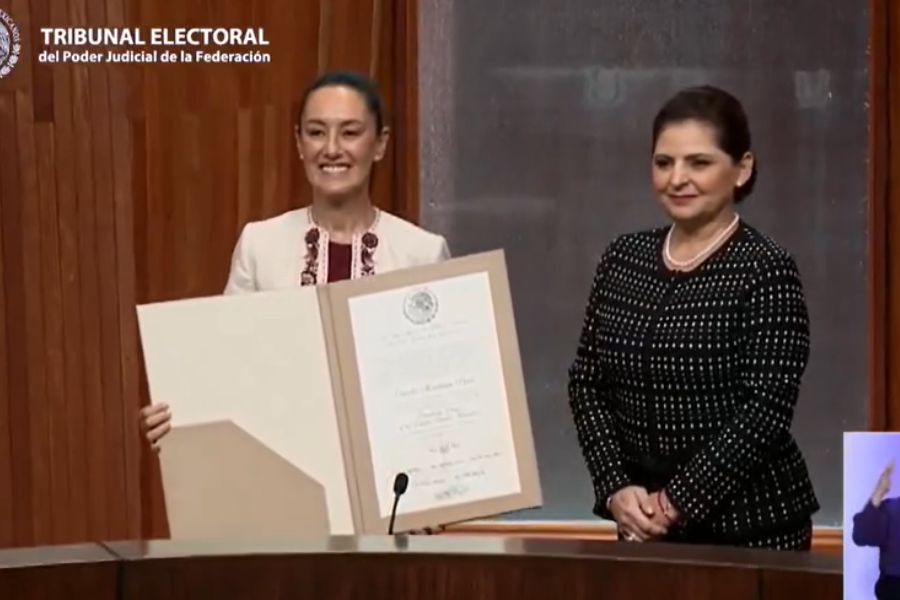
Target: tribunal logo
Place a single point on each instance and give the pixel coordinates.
(10, 44)
(420, 306)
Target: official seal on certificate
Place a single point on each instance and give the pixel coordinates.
(420, 306)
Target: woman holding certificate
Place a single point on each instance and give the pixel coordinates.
(340, 134)
(690, 360)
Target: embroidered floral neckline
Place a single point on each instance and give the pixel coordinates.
(317, 238)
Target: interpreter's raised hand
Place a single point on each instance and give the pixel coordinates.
(883, 486)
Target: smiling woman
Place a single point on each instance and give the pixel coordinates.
(695, 340)
(340, 134)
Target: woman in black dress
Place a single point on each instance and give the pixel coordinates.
(694, 344)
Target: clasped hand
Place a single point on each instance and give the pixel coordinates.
(640, 515)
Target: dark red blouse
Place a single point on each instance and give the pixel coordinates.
(340, 257)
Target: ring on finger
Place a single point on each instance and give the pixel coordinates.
(628, 536)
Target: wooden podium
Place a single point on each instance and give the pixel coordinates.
(414, 568)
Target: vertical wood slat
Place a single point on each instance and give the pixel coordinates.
(404, 68)
(375, 38)
(383, 188)
(879, 134)
(67, 213)
(350, 35)
(280, 101)
(17, 367)
(158, 186)
(7, 507)
(86, 139)
(891, 216)
(30, 406)
(155, 187)
(884, 219)
(8, 196)
(53, 331)
(287, 152)
(42, 98)
(188, 172)
(152, 518)
(265, 77)
(395, 184)
(123, 229)
(307, 23)
(244, 122)
(271, 135)
(326, 23)
(218, 234)
(110, 400)
(149, 227)
(257, 145)
(48, 408)
(33, 344)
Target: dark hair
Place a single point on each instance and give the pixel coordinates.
(719, 109)
(364, 86)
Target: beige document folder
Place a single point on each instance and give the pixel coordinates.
(283, 425)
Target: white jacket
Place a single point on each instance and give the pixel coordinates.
(271, 254)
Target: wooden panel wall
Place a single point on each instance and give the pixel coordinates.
(885, 213)
(127, 184)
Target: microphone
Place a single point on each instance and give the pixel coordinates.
(400, 483)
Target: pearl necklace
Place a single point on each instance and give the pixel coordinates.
(686, 264)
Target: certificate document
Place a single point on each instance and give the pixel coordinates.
(432, 383)
(433, 393)
(293, 411)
